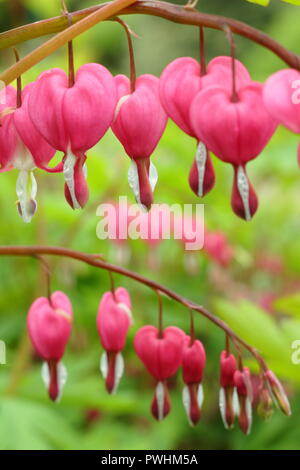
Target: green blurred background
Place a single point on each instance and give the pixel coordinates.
(258, 294)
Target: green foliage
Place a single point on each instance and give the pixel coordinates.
(266, 2)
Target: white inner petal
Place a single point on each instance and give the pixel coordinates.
(186, 400)
(26, 189)
(244, 190)
(235, 402)
(222, 405)
(62, 376)
(104, 365)
(69, 165)
(249, 414)
(200, 158)
(200, 395)
(160, 397)
(133, 181)
(119, 370)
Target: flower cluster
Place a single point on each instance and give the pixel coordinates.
(162, 351)
(226, 112)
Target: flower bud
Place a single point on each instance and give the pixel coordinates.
(278, 392)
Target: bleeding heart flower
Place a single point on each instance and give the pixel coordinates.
(242, 381)
(73, 119)
(23, 148)
(193, 364)
(162, 356)
(227, 396)
(282, 99)
(49, 324)
(236, 132)
(139, 123)
(180, 82)
(113, 321)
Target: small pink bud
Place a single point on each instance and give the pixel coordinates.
(242, 380)
(162, 356)
(278, 392)
(113, 321)
(49, 326)
(193, 363)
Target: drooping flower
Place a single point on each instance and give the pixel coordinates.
(49, 325)
(281, 96)
(227, 395)
(73, 119)
(180, 82)
(113, 321)
(139, 123)
(162, 356)
(23, 148)
(236, 132)
(193, 364)
(242, 381)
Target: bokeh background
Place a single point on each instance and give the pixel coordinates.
(257, 291)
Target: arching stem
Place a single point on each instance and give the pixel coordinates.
(129, 34)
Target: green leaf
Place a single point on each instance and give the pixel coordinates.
(289, 304)
(265, 3)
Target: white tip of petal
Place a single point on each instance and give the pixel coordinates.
(160, 397)
(26, 189)
(200, 158)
